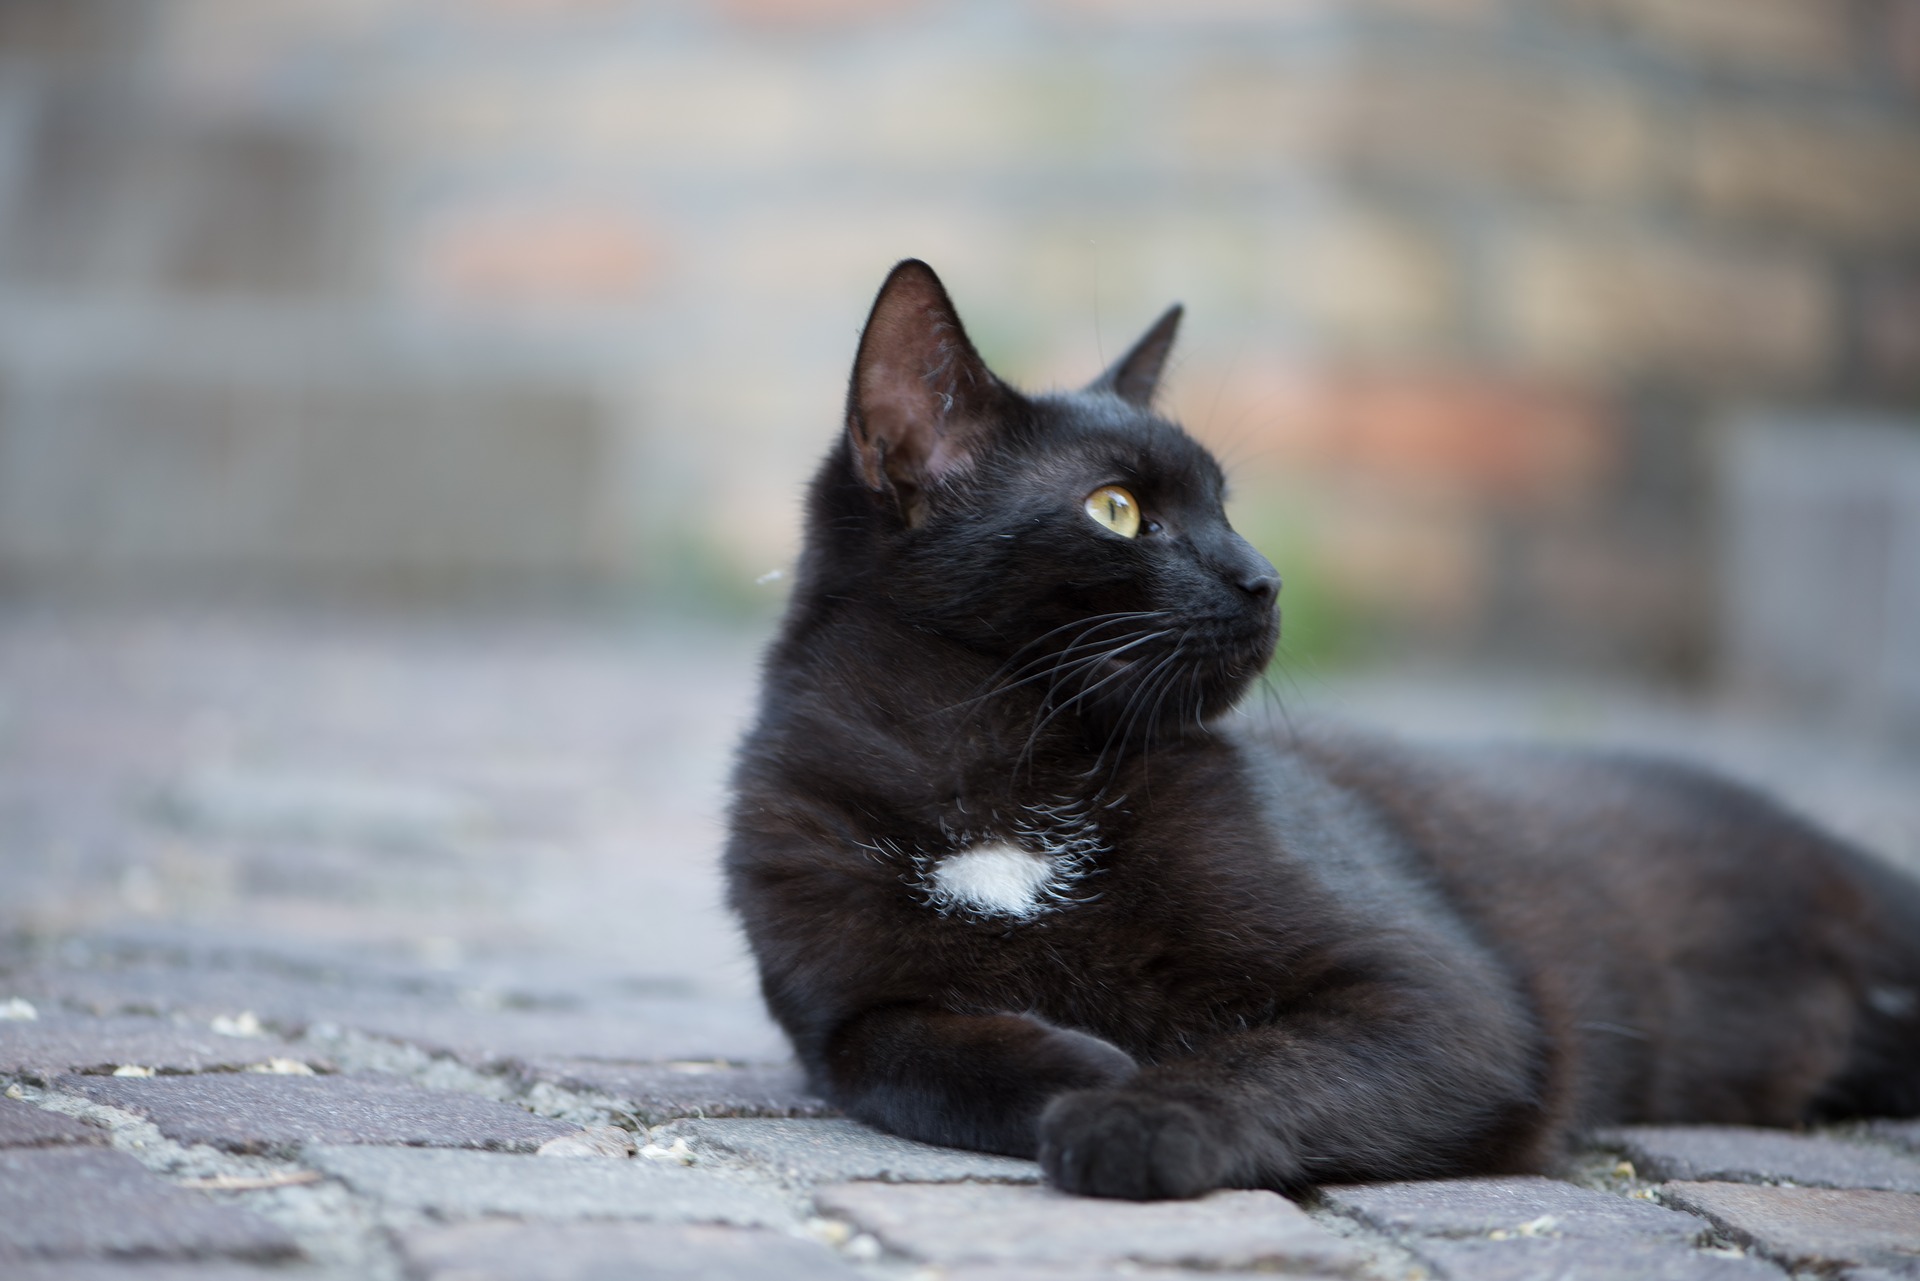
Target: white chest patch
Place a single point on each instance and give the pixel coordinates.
(996, 880)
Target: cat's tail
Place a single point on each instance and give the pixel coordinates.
(1882, 1076)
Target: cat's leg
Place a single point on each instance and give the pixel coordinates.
(964, 1080)
(1324, 1098)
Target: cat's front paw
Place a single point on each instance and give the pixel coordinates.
(1121, 1143)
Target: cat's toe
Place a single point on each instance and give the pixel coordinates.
(1116, 1143)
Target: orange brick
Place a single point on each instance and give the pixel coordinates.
(555, 254)
(1425, 563)
(1489, 437)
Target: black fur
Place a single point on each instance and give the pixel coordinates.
(1266, 963)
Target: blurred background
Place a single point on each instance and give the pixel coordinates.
(1573, 342)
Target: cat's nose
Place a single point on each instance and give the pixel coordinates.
(1264, 588)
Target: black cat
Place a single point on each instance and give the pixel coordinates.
(1011, 886)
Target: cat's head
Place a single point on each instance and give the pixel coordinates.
(1077, 538)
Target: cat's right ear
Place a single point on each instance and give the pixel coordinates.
(1136, 376)
(922, 403)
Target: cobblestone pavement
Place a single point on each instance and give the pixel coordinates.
(391, 948)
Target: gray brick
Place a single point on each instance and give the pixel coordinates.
(640, 1031)
(1109, 1272)
(141, 1270)
(40, 1049)
(615, 1251)
(23, 1125)
(122, 1210)
(261, 1113)
(1904, 1134)
(1811, 1227)
(461, 1184)
(1747, 1155)
(428, 1011)
(838, 1150)
(660, 1092)
(1571, 1260)
(1478, 1207)
(995, 1223)
(198, 993)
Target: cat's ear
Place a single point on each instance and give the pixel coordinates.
(1135, 376)
(922, 403)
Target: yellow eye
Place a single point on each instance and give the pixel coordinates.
(1114, 507)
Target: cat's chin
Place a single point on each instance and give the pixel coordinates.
(1151, 709)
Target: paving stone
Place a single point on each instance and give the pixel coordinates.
(1906, 1134)
(832, 1151)
(243, 1112)
(1478, 1207)
(616, 1252)
(490, 1183)
(1118, 1272)
(995, 1223)
(658, 1092)
(126, 1211)
(642, 1030)
(299, 989)
(439, 1016)
(1745, 1154)
(23, 1125)
(195, 991)
(1537, 1259)
(1811, 1227)
(43, 1048)
(144, 1270)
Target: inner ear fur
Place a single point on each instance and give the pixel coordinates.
(922, 404)
(1135, 377)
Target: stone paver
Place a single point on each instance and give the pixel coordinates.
(993, 1223)
(1811, 1227)
(23, 1125)
(657, 1092)
(632, 1029)
(604, 1251)
(1530, 1205)
(197, 991)
(1905, 1134)
(462, 1184)
(80, 1203)
(841, 1150)
(564, 928)
(1745, 1154)
(46, 1047)
(148, 1270)
(258, 1113)
(1122, 1271)
(1542, 1259)
(642, 1030)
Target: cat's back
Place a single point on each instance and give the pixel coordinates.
(1674, 929)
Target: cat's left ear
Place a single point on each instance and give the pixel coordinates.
(923, 405)
(1136, 376)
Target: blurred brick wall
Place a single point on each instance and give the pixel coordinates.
(430, 292)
